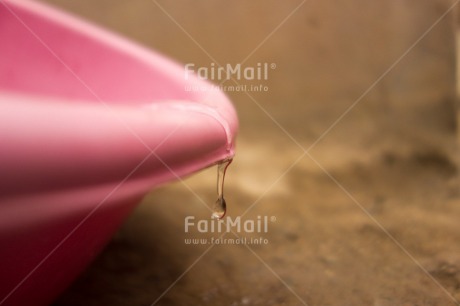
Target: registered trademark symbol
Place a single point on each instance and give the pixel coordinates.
(273, 66)
(273, 219)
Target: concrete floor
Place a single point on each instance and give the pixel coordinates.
(352, 150)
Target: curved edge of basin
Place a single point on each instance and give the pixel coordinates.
(82, 143)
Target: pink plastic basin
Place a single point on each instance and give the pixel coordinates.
(89, 123)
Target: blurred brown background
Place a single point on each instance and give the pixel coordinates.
(353, 149)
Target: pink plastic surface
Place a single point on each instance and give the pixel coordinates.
(89, 123)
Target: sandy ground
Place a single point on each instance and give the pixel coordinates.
(390, 238)
(362, 211)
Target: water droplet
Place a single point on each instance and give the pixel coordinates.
(220, 207)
